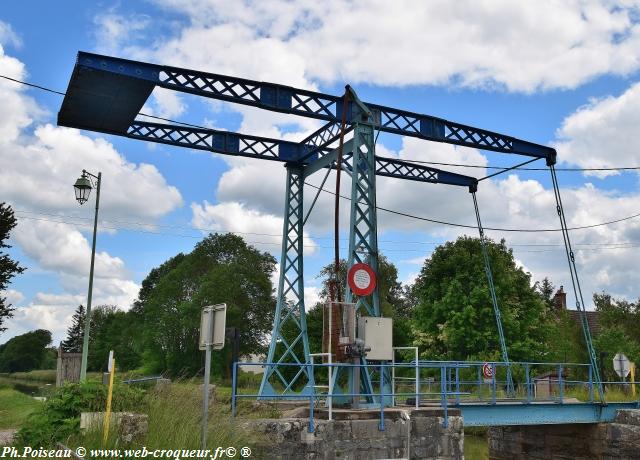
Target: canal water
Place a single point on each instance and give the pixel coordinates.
(28, 387)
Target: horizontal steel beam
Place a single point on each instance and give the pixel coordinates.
(286, 99)
(224, 142)
(229, 143)
(539, 413)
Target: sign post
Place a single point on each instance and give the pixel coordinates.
(212, 329)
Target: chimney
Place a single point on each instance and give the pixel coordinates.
(560, 299)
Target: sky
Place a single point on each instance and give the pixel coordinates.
(558, 73)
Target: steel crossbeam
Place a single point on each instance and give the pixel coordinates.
(286, 99)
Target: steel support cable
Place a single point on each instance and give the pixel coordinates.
(494, 298)
(508, 169)
(575, 281)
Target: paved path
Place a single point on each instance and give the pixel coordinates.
(6, 436)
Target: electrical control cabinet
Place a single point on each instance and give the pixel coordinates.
(377, 334)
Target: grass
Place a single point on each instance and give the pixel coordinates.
(175, 422)
(15, 407)
(476, 447)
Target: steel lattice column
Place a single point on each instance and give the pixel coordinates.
(289, 341)
(363, 235)
(363, 238)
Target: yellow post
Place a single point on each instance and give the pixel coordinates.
(633, 379)
(107, 415)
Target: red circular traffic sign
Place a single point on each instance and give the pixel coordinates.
(361, 279)
(487, 370)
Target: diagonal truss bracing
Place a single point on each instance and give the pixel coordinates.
(363, 237)
(289, 340)
(286, 99)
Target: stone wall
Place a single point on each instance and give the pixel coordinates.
(416, 435)
(619, 440)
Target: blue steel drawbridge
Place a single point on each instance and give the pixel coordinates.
(106, 94)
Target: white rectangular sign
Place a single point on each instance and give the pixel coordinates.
(212, 326)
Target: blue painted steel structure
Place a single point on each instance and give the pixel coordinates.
(453, 392)
(105, 94)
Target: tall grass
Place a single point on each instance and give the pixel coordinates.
(175, 418)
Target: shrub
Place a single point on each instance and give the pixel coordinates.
(59, 416)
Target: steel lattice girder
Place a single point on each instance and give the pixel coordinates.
(236, 144)
(289, 339)
(107, 79)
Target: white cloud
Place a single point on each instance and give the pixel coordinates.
(12, 296)
(39, 168)
(112, 31)
(602, 133)
(8, 36)
(52, 312)
(59, 155)
(522, 46)
(311, 296)
(60, 248)
(260, 230)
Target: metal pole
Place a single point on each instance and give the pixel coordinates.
(205, 387)
(234, 382)
(381, 425)
(87, 319)
(528, 380)
(205, 396)
(417, 380)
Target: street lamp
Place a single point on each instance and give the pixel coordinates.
(83, 187)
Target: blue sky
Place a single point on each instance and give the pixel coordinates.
(557, 74)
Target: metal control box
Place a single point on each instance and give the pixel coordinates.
(377, 334)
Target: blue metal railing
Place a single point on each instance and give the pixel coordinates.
(459, 384)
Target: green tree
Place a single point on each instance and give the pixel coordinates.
(113, 329)
(565, 342)
(546, 290)
(8, 267)
(454, 318)
(619, 324)
(221, 269)
(75, 332)
(25, 352)
(618, 313)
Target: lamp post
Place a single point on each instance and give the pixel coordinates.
(83, 187)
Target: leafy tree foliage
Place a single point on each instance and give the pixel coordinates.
(565, 342)
(619, 322)
(454, 318)
(546, 290)
(8, 267)
(113, 329)
(221, 269)
(25, 352)
(75, 332)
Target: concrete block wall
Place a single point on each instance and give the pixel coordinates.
(619, 440)
(404, 436)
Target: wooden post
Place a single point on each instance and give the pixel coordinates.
(107, 414)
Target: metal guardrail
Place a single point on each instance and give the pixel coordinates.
(450, 384)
